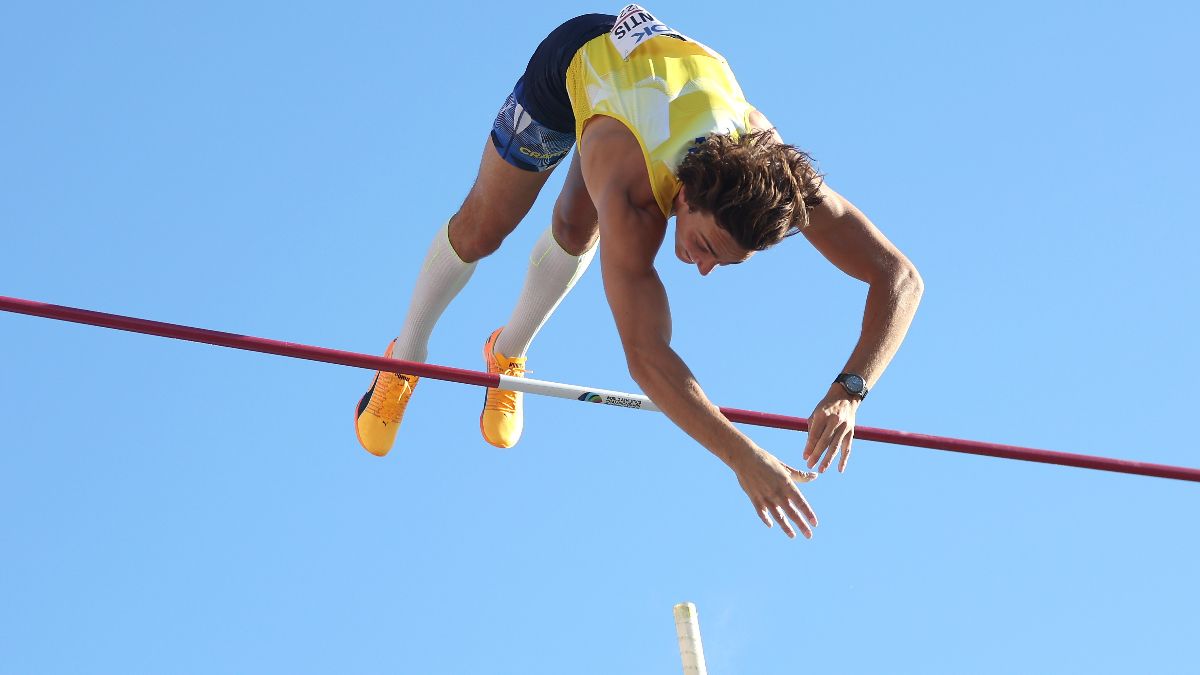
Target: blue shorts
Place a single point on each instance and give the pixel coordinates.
(526, 143)
(535, 128)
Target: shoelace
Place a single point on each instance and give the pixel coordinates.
(389, 399)
(503, 400)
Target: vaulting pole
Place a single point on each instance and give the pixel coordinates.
(691, 649)
(587, 394)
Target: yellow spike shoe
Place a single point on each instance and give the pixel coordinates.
(377, 418)
(502, 419)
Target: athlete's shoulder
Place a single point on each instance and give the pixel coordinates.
(613, 156)
(759, 122)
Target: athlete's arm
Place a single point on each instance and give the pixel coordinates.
(631, 231)
(848, 239)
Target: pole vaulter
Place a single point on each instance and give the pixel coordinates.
(570, 391)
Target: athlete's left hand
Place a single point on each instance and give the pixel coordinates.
(831, 429)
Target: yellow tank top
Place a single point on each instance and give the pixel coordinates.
(668, 92)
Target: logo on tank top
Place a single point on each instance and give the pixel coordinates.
(634, 26)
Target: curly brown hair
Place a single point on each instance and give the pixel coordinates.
(757, 189)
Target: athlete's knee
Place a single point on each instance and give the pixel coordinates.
(474, 237)
(576, 233)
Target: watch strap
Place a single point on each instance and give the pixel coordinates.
(843, 378)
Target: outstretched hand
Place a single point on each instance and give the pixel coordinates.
(771, 486)
(831, 430)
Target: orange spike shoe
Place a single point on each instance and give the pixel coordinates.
(381, 409)
(502, 419)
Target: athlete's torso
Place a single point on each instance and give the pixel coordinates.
(668, 91)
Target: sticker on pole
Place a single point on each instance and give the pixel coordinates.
(634, 26)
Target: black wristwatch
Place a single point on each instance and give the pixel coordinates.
(853, 384)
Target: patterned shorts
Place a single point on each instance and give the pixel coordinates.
(535, 128)
(524, 142)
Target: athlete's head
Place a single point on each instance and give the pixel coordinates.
(741, 195)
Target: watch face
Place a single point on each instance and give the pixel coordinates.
(854, 384)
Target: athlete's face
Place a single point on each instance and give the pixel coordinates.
(701, 242)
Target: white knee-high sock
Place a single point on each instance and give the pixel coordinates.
(552, 272)
(443, 275)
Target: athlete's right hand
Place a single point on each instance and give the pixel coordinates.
(771, 486)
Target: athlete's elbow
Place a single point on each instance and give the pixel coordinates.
(905, 287)
(910, 283)
(642, 362)
(900, 279)
(639, 367)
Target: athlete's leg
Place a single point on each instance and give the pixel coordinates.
(499, 199)
(532, 132)
(575, 225)
(559, 258)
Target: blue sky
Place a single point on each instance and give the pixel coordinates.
(278, 169)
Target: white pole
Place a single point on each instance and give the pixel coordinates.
(558, 390)
(687, 627)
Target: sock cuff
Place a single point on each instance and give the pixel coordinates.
(548, 253)
(443, 274)
(442, 252)
(552, 273)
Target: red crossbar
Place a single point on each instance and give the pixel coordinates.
(257, 344)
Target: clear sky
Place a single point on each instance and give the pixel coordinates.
(278, 169)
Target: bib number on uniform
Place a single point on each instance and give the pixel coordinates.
(634, 26)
